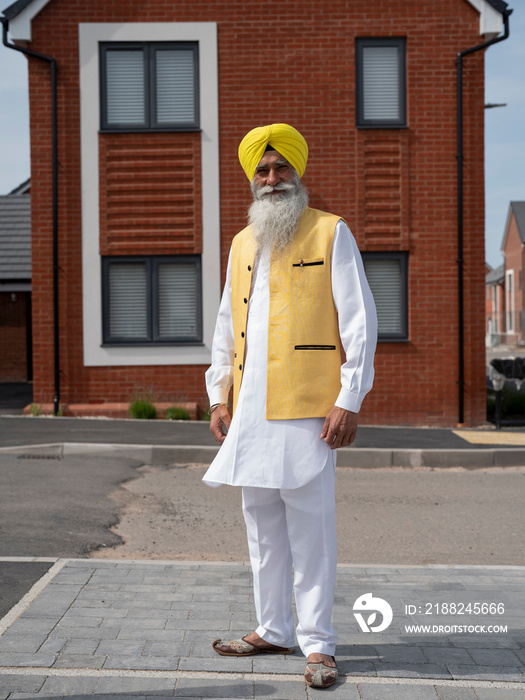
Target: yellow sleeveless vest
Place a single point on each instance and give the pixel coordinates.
(304, 361)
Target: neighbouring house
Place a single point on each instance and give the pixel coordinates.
(513, 249)
(153, 100)
(495, 307)
(16, 363)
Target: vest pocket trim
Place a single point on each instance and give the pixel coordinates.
(314, 347)
(308, 263)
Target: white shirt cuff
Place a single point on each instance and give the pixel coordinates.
(349, 401)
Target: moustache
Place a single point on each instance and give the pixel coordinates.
(280, 187)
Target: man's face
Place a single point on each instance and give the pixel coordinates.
(272, 171)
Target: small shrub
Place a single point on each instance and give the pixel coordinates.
(141, 408)
(176, 413)
(35, 409)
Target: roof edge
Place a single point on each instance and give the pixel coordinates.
(20, 15)
(491, 15)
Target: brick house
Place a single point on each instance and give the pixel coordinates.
(15, 285)
(513, 249)
(153, 99)
(495, 307)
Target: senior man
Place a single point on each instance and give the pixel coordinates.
(295, 292)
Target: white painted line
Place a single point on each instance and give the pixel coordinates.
(207, 675)
(31, 595)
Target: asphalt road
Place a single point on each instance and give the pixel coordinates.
(81, 506)
(20, 430)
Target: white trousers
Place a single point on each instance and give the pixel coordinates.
(294, 527)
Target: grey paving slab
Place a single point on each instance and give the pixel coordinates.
(133, 661)
(226, 665)
(402, 654)
(356, 668)
(398, 670)
(21, 642)
(279, 664)
(494, 657)
(67, 685)
(80, 646)
(152, 634)
(197, 688)
(12, 683)
(90, 661)
(27, 659)
(143, 686)
(487, 673)
(447, 655)
(339, 691)
(446, 692)
(391, 691)
(120, 646)
(279, 690)
(500, 693)
(167, 648)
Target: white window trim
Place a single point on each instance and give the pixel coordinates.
(89, 37)
(509, 275)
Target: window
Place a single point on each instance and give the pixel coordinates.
(152, 299)
(380, 83)
(149, 87)
(387, 275)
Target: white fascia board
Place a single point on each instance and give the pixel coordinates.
(90, 34)
(20, 26)
(490, 20)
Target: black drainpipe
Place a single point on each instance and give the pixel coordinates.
(459, 64)
(52, 62)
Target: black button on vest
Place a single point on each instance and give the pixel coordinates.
(240, 366)
(242, 334)
(249, 268)
(246, 301)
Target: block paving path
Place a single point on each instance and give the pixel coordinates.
(143, 629)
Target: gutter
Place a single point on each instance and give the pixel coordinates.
(53, 64)
(461, 336)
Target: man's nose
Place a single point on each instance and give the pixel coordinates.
(273, 177)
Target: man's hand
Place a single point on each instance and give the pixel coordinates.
(219, 418)
(340, 428)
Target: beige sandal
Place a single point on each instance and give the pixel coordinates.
(240, 647)
(320, 675)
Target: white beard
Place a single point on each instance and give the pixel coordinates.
(275, 218)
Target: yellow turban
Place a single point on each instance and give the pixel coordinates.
(282, 137)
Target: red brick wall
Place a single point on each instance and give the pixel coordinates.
(294, 62)
(13, 337)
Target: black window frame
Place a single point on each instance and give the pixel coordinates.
(151, 263)
(361, 122)
(149, 50)
(402, 256)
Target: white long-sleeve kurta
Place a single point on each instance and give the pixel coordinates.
(287, 454)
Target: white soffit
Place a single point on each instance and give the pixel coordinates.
(20, 26)
(490, 20)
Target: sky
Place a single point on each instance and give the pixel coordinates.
(504, 127)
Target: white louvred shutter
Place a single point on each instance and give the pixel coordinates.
(175, 88)
(128, 317)
(384, 278)
(125, 87)
(381, 83)
(177, 299)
